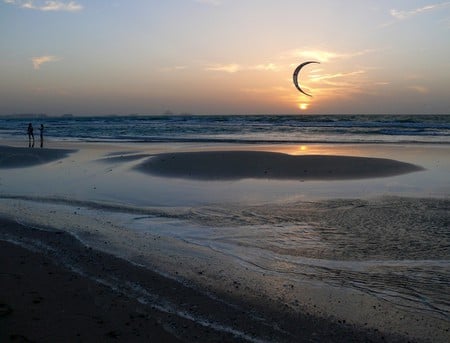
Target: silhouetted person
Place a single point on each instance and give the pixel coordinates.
(41, 129)
(30, 136)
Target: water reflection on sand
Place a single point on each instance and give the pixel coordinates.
(368, 251)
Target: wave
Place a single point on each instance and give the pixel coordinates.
(244, 128)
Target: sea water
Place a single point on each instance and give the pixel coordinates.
(240, 128)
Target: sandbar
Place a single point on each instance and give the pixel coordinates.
(233, 165)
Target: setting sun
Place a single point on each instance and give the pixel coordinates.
(303, 106)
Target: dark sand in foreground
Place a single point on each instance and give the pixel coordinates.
(63, 291)
(233, 165)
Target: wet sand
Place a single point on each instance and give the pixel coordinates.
(16, 157)
(52, 288)
(229, 165)
(233, 165)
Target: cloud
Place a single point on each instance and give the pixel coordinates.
(70, 6)
(327, 77)
(400, 15)
(282, 64)
(266, 67)
(38, 61)
(234, 67)
(323, 55)
(271, 90)
(227, 68)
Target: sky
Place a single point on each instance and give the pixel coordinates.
(101, 57)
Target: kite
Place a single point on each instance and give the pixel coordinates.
(295, 76)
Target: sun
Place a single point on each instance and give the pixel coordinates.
(303, 106)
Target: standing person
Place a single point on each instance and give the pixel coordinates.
(30, 136)
(41, 129)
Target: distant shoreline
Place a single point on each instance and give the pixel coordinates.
(170, 114)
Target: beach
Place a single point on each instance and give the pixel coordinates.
(47, 302)
(222, 242)
(224, 171)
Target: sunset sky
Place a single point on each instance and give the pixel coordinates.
(224, 56)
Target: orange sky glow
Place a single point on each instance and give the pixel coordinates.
(224, 57)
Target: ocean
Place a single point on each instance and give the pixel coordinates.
(373, 252)
(246, 129)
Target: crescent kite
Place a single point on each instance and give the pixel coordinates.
(295, 76)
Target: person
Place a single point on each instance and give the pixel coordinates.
(30, 136)
(41, 129)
